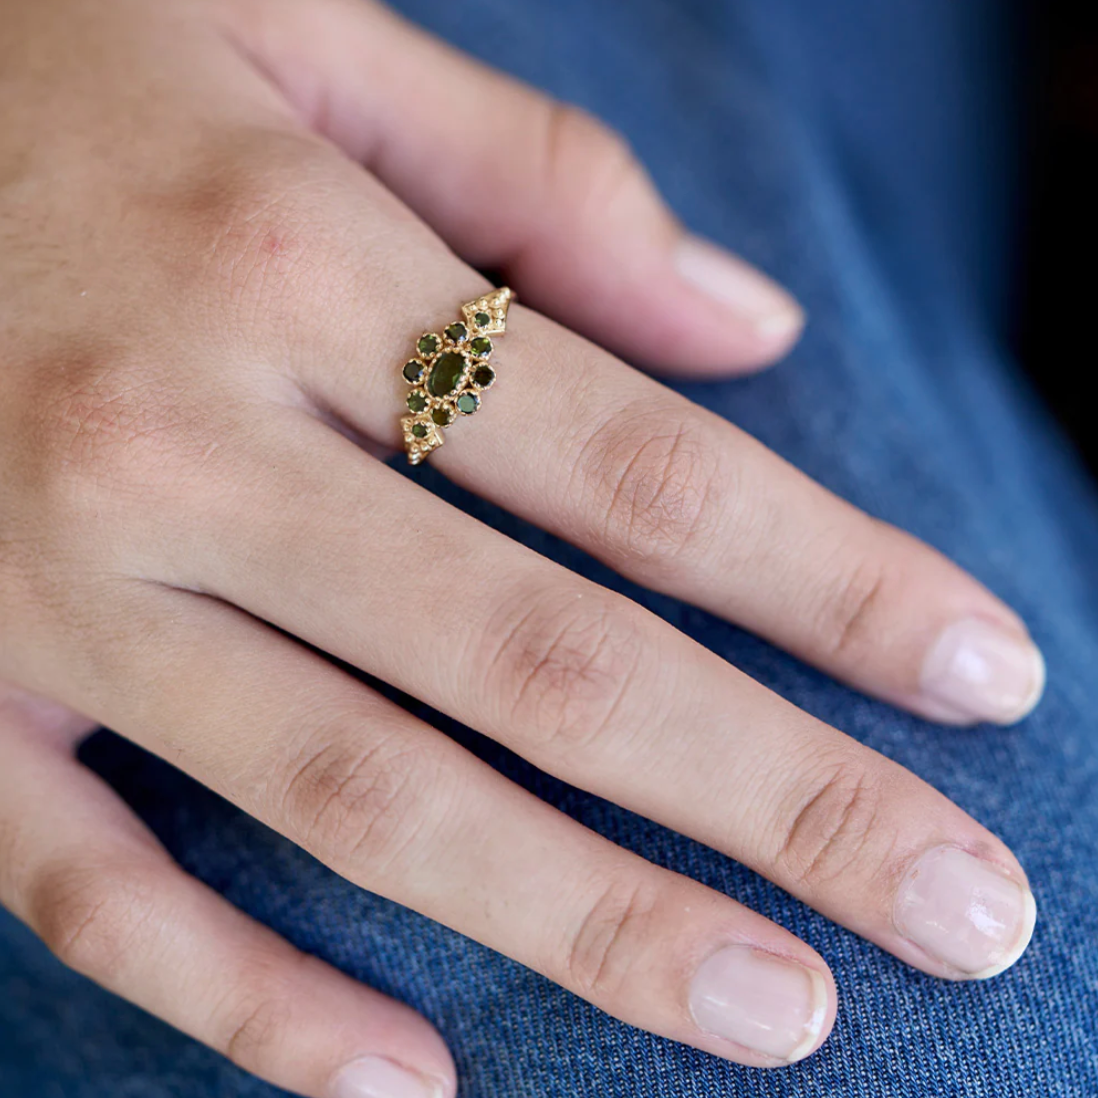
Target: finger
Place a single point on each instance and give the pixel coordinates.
(402, 810)
(588, 686)
(86, 875)
(682, 501)
(515, 181)
(675, 497)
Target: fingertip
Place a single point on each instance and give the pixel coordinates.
(977, 670)
(822, 1020)
(778, 334)
(1028, 925)
(969, 916)
(760, 319)
(382, 1077)
(771, 1010)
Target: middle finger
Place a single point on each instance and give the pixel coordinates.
(344, 553)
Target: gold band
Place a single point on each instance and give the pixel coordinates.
(450, 372)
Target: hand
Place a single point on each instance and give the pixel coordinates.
(205, 301)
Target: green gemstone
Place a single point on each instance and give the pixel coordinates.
(446, 373)
(468, 403)
(419, 430)
(481, 346)
(413, 371)
(482, 320)
(427, 344)
(443, 416)
(456, 332)
(416, 401)
(483, 376)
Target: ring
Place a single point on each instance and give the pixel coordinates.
(450, 372)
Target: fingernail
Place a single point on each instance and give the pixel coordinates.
(965, 912)
(760, 1001)
(977, 671)
(378, 1077)
(737, 285)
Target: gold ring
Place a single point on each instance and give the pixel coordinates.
(450, 372)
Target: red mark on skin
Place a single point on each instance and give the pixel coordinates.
(273, 245)
(258, 260)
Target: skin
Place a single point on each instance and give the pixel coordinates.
(222, 226)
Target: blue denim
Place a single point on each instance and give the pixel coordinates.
(865, 154)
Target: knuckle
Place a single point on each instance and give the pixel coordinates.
(258, 1021)
(657, 484)
(587, 162)
(352, 803)
(88, 916)
(846, 625)
(599, 953)
(563, 667)
(102, 421)
(255, 226)
(836, 827)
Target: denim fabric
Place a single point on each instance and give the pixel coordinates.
(864, 154)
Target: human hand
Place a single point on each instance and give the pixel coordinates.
(204, 305)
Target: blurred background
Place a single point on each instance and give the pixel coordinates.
(1058, 299)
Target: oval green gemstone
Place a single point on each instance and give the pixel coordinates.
(443, 416)
(483, 376)
(468, 403)
(482, 320)
(419, 430)
(481, 346)
(427, 344)
(413, 371)
(456, 332)
(446, 373)
(416, 401)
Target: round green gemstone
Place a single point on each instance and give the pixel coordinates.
(443, 416)
(427, 344)
(446, 373)
(419, 430)
(482, 320)
(481, 346)
(483, 376)
(468, 403)
(456, 332)
(413, 371)
(416, 401)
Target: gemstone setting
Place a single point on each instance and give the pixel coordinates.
(446, 373)
(483, 376)
(449, 372)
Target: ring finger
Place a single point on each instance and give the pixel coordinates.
(677, 498)
(345, 554)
